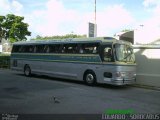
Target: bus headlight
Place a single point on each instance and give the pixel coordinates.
(127, 75)
(120, 74)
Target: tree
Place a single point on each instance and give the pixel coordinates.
(38, 37)
(2, 28)
(13, 28)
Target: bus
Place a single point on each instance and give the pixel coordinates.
(92, 60)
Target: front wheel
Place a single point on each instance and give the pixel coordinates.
(90, 78)
(27, 71)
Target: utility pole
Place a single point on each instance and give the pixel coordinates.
(92, 32)
(95, 25)
(95, 11)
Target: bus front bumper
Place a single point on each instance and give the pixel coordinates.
(122, 81)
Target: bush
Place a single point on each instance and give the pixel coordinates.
(4, 61)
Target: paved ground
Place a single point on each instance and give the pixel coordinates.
(20, 94)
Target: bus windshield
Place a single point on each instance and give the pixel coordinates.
(124, 53)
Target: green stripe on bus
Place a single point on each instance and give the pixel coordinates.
(59, 57)
(56, 61)
(53, 54)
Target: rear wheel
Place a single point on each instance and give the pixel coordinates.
(90, 78)
(27, 71)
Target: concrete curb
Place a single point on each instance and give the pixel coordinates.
(3, 68)
(146, 87)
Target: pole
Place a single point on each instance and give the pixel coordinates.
(95, 25)
(95, 12)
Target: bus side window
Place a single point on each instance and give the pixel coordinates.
(39, 48)
(91, 48)
(108, 54)
(56, 49)
(81, 50)
(21, 49)
(61, 49)
(27, 49)
(51, 49)
(31, 49)
(46, 49)
(34, 49)
(94, 50)
(75, 49)
(71, 48)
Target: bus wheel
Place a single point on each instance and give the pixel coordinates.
(90, 78)
(27, 71)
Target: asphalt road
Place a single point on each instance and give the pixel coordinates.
(45, 95)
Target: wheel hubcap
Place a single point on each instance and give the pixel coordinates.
(27, 71)
(89, 78)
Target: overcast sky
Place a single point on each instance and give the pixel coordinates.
(59, 17)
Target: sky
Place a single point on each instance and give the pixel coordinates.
(60, 17)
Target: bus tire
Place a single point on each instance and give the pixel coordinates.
(90, 78)
(27, 71)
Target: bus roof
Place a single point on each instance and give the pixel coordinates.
(70, 40)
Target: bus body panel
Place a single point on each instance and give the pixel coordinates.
(76, 72)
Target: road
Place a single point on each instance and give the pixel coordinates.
(45, 95)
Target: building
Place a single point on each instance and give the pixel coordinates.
(5, 46)
(127, 36)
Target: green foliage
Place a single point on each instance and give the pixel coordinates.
(4, 61)
(13, 28)
(2, 27)
(38, 37)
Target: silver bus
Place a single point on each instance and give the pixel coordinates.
(92, 60)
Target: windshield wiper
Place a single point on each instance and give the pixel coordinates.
(125, 58)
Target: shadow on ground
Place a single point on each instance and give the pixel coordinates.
(108, 86)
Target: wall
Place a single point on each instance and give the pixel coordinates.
(6, 46)
(148, 66)
(148, 55)
(0, 48)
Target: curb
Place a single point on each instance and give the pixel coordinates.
(146, 87)
(1, 68)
